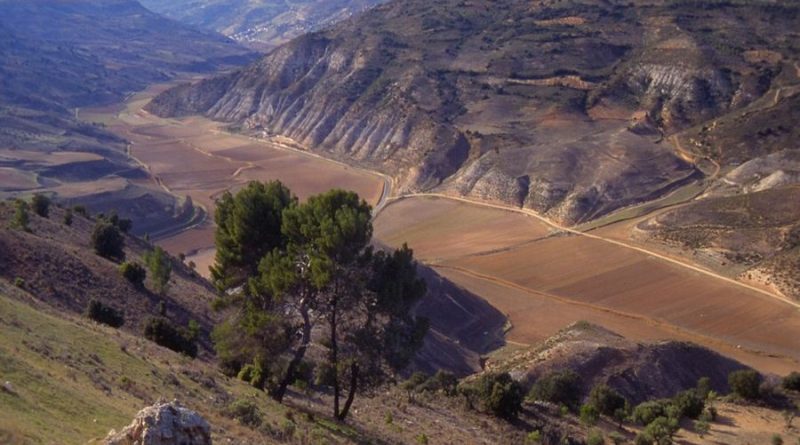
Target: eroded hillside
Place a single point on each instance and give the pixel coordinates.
(261, 23)
(560, 107)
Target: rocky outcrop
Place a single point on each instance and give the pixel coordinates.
(164, 424)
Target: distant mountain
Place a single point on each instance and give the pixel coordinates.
(60, 55)
(261, 23)
(68, 53)
(562, 107)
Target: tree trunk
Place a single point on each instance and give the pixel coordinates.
(351, 394)
(334, 360)
(288, 378)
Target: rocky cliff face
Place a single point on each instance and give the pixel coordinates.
(559, 107)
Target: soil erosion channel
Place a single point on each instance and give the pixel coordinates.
(541, 277)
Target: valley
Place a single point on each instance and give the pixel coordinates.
(542, 275)
(195, 157)
(558, 222)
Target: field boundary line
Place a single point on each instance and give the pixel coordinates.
(559, 227)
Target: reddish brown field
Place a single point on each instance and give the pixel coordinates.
(194, 157)
(544, 284)
(438, 229)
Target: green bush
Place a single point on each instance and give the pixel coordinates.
(661, 430)
(647, 412)
(616, 438)
(19, 282)
(606, 400)
(80, 210)
(776, 439)
(689, 403)
(495, 393)
(704, 387)
(589, 414)
(108, 241)
(792, 381)
(595, 438)
(162, 332)
(134, 273)
(745, 383)
(533, 438)
(442, 381)
(701, 427)
(21, 216)
(160, 266)
(103, 314)
(41, 205)
(562, 388)
(246, 412)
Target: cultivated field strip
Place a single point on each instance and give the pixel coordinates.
(545, 283)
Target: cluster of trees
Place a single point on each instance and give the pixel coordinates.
(107, 236)
(40, 204)
(300, 275)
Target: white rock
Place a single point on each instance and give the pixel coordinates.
(164, 424)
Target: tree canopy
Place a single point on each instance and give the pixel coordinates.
(317, 278)
(248, 228)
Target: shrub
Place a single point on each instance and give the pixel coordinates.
(442, 381)
(689, 404)
(21, 217)
(704, 387)
(534, 437)
(792, 381)
(496, 393)
(422, 439)
(701, 427)
(745, 383)
(606, 400)
(643, 439)
(562, 388)
(19, 282)
(661, 430)
(162, 332)
(67, 217)
(246, 412)
(616, 438)
(646, 412)
(415, 382)
(107, 241)
(595, 438)
(776, 439)
(134, 273)
(41, 205)
(104, 314)
(160, 267)
(80, 210)
(589, 414)
(124, 225)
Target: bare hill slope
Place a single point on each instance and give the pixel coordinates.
(555, 106)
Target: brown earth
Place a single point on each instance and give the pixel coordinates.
(195, 157)
(547, 283)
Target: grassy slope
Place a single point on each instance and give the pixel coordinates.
(72, 377)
